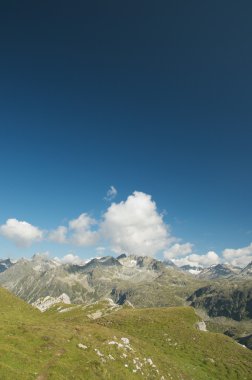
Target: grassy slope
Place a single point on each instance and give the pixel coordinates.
(44, 346)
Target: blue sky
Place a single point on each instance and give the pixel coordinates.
(154, 98)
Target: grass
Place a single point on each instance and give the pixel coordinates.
(163, 344)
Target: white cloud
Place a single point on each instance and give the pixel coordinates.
(242, 261)
(82, 233)
(178, 250)
(239, 257)
(210, 258)
(135, 226)
(79, 232)
(23, 234)
(111, 193)
(70, 259)
(59, 235)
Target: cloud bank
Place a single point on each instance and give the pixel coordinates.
(182, 254)
(240, 256)
(206, 260)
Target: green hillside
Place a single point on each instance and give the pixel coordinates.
(105, 342)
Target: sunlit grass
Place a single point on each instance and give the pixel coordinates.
(41, 346)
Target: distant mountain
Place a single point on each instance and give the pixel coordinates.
(107, 261)
(169, 263)
(247, 271)
(140, 280)
(122, 256)
(145, 262)
(218, 271)
(5, 264)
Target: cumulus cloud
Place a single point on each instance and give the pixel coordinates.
(178, 250)
(135, 226)
(79, 232)
(111, 193)
(239, 257)
(210, 258)
(82, 233)
(242, 261)
(23, 234)
(59, 235)
(70, 259)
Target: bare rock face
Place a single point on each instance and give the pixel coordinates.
(45, 303)
(201, 326)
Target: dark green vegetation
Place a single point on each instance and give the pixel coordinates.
(238, 330)
(232, 299)
(228, 303)
(104, 341)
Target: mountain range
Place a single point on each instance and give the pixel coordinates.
(220, 294)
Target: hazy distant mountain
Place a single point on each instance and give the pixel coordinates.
(247, 271)
(5, 264)
(144, 262)
(107, 261)
(218, 271)
(169, 263)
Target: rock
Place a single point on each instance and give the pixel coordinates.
(80, 345)
(201, 326)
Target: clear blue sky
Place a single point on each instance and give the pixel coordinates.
(142, 95)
